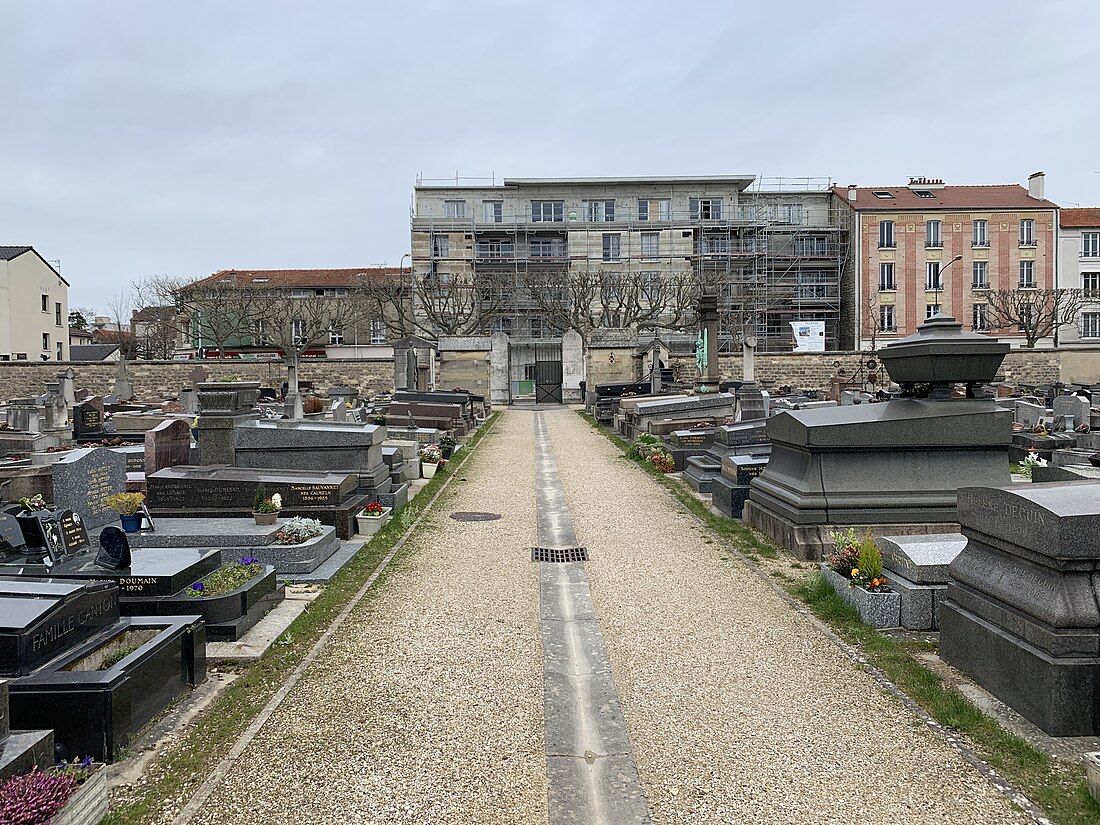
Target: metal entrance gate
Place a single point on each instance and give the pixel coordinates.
(548, 374)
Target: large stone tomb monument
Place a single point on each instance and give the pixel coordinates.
(1021, 615)
(894, 467)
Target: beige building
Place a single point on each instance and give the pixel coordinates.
(34, 307)
(1079, 268)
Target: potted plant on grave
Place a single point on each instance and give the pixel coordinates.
(854, 571)
(662, 461)
(447, 445)
(66, 794)
(266, 508)
(372, 518)
(128, 507)
(299, 530)
(430, 458)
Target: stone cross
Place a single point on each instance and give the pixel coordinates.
(124, 388)
(198, 376)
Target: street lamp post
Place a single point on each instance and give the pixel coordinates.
(939, 281)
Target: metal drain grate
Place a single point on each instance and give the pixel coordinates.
(475, 516)
(556, 555)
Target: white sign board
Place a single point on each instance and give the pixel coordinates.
(809, 336)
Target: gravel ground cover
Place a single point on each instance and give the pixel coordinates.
(428, 706)
(739, 709)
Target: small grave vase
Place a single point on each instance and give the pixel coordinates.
(265, 518)
(447, 450)
(877, 608)
(131, 524)
(89, 804)
(427, 470)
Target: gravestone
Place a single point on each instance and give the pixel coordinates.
(198, 375)
(74, 535)
(124, 387)
(83, 478)
(114, 549)
(1029, 414)
(917, 568)
(1072, 405)
(66, 385)
(11, 536)
(223, 405)
(57, 413)
(1021, 615)
(339, 411)
(88, 420)
(752, 403)
(167, 445)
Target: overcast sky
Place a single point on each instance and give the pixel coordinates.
(143, 138)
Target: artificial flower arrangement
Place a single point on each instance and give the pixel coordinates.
(857, 559)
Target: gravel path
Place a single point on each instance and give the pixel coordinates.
(738, 709)
(428, 709)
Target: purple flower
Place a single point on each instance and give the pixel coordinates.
(86, 762)
(247, 560)
(198, 586)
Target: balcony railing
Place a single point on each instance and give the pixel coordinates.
(891, 244)
(982, 243)
(1027, 242)
(933, 244)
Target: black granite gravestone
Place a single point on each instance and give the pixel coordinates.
(73, 533)
(11, 537)
(114, 549)
(88, 421)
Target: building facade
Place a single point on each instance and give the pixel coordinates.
(543, 255)
(34, 307)
(928, 247)
(1079, 268)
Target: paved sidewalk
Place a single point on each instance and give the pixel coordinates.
(428, 708)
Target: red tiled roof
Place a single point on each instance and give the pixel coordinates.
(1006, 196)
(298, 277)
(111, 336)
(1087, 216)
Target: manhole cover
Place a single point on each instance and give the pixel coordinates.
(559, 555)
(475, 516)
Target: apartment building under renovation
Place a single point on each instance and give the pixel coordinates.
(541, 255)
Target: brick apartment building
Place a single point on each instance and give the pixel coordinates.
(928, 247)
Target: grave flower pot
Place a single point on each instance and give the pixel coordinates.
(368, 525)
(265, 518)
(427, 470)
(877, 608)
(131, 524)
(89, 804)
(447, 450)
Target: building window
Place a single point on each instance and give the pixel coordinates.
(45, 342)
(534, 326)
(611, 247)
(932, 279)
(981, 233)
(1027, 233)
(1090, 324)
(1090, 245)
(887, 321)
(335, 336)
(886, 277)
(599, 211)
(455, 209)
(46, 303)
(651, 245)
(886, 235)
(440, 246)
(60, 351)
(811, 247)
(546, 248)
(57, 314)
(377, 332)
(298, 331)
(495, 248)
(705, 209)
(655, 209)
(932, 234)
(931, 309)
(980, 317)
(1025, 317)
(547, 211)
(789, 213)
(981, 275)
(1027, 274)
(716, 246)
(1090, 283)
(886, 196)
(494, 211)
(502, 325)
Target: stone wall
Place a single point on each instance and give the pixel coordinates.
(468, 370)
(814, 371)
(154, 380)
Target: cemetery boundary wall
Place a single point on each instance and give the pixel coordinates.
(154, 380)
(811, 371)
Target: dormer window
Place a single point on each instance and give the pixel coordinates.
(923, 193)
(884, 195)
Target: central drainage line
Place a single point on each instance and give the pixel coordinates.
(589, 764)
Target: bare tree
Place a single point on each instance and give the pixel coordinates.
(439, 303)
(212, 311)
(120, 307)
(1036, 313)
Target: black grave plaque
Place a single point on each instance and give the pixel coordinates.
(114, 549)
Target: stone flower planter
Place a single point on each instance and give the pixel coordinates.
(89, 804)
(369, 525)
(428, 470)
(876, 609)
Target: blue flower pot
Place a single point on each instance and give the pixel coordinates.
(131, 524)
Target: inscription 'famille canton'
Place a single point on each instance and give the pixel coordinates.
(1012, 510)
(51, 633)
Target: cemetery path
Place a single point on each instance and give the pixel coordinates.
(737, 707)
(428, 706)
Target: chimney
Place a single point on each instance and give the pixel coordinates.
(1037, 185)
(852, 193)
